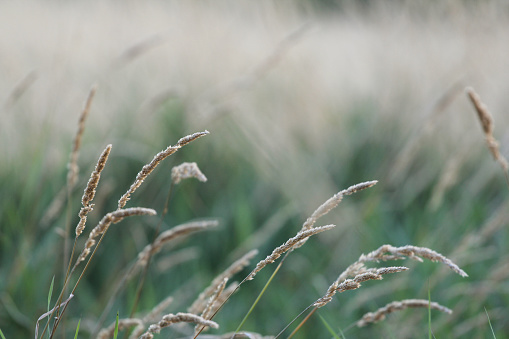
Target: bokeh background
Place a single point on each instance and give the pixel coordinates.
(302, 99)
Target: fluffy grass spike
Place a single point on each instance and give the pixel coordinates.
(171, 319)
(73, 168)
(355, 283)
(148, 168)
(89, 192)
(104, 224)
(288, 245)
(382, 312)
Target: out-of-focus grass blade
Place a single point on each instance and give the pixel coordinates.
(115, 334)
(329, 328)
(2, 335)
(77, 329)
(489, 322)
(50, 291)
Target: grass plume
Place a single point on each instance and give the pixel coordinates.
(487, 124)
(89, 193)
(352, 284)
(148, 168)
(382, 312)
(171, 319)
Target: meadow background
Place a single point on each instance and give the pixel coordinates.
(302, 99)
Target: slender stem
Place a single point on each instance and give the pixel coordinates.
(228, 298)
(259, 297)
(66, 281)
(291, 322)
(143, 275)
(302, 322)
(145, 269)
(57, 322)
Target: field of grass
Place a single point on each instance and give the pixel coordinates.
(301, 102)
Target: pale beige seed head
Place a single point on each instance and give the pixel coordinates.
(209, 308)
(412, 252)
(148, 168)
(332, 202)
(172, 234)
(72, 166)
(89, 193)
(378, 315)
(187, 170)
(104, 224)
(483, 113)
(171, 319)
(288, 245)
(355, 283)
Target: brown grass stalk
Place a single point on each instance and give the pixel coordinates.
(380, 314)
(148, 168)
(487, 124)
(332, 202)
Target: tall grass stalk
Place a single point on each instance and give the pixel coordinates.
(259, 296)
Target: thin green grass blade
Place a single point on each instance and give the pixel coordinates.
(329, 328)
(2, 334)
(50, 292)
(115, 334)
(77, 329)
(259, 296)
(489, 322)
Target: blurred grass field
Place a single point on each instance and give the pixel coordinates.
(301, 101)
